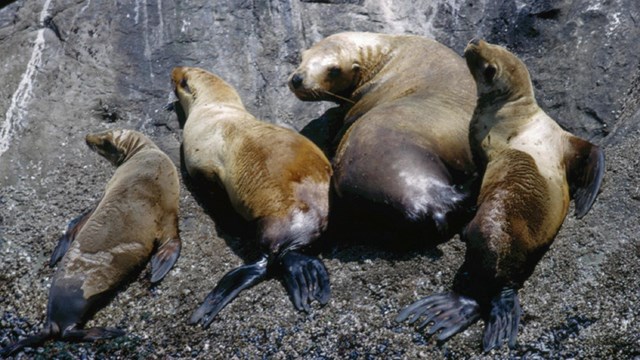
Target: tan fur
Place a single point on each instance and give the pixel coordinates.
(262, 166)
(139, 210)
(407, 72)
(525, 193)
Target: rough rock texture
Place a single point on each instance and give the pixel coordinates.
(70, 67)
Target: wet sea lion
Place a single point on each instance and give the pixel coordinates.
(274, 177)
(403, 159)
(531, 169)
(136, 217)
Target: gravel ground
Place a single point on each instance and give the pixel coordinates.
(111, 71)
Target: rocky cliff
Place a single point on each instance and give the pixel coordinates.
(70, 67)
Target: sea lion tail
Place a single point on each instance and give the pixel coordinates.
(47, 333)
(227, 289)
(305, 278)
(503, 320)
(449, 312)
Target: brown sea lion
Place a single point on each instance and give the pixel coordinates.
(274, 177)
(531, 168)
(136, 217)
(404, 158)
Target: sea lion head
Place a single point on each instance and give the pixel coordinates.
(329, 71)
(497, 72)
(117, 146)
(195, 86)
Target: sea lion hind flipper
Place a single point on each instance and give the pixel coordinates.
(449, 312)
(503, 321)
(31, 341)
(305, 278)
(91, 334)
(73, 228)
(231, 284)
(164, 258)
(585, 166)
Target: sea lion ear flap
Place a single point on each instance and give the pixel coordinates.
(585, 170)
(185, 85)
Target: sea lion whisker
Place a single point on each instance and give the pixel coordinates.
(338, 96)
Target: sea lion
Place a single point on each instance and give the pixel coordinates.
(101, 249)
(403, 159)
(531, 168)
(274, 177)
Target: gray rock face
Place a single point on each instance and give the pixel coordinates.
(70, 67)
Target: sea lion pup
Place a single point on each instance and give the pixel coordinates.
(404, 157)
(274, 177)
(531, 170)
(100, 250)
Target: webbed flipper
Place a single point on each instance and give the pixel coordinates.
(231, 284)
(450, 313)
(164, 258)
(73, 228)
(305, 278)
(504, 318)
(91, 334)
(585, 166)
(31, 341)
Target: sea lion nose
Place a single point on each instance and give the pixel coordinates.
(296, 81)
(475, 41)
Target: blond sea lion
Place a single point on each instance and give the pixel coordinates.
(404, 158)
(136, 217)
(531, 169)
(274, 177)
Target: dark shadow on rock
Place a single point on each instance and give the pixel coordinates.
(6, 3)
(326, 130)
(376, 233)
(238, 233)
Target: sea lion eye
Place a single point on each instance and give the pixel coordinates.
(489, 72)
(334, 72)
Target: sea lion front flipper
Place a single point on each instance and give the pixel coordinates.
(449, 312)
(503, 320)
(305, 278)
(164, 258)
(585, 170)
(73, 228)
(231, 284)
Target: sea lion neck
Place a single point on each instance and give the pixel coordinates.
(215, 90)
(496, 122)
(372, 56)
(132, 145)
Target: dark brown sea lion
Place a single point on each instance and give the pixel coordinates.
(404, 158)
(531, 168)
(136, 217)
(274, 177)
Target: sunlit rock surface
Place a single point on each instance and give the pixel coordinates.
(73, 67)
